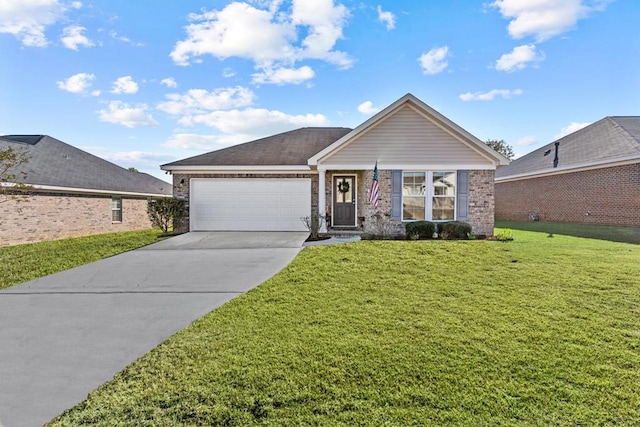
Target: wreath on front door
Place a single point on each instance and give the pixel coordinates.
(343, 186)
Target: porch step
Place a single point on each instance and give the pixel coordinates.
(344, 232)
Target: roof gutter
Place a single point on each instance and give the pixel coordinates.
(93, 191)
(572, 168)
(250, 168)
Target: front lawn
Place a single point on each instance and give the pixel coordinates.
(538, 331)
(22, 263)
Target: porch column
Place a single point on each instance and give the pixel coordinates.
(322, 199)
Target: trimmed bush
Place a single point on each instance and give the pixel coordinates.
(423, 229)
(454, 230)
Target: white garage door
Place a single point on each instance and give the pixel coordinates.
(248, 204)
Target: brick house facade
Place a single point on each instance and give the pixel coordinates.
(71, 193)
(270, 183)
(49, 216)
(591, 176)
(608, 196)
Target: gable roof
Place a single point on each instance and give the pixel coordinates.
(610, 140)
(429, 113)
(55, 165)
(291, 148)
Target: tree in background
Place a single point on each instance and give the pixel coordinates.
(501, 147)
(10, 160)
(132, 169)
(164, 212)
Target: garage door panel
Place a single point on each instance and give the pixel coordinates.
(275, 204)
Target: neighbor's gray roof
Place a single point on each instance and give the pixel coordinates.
(55, 163)
(609, 139)
(289, 148)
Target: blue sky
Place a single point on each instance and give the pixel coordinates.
(142, 82)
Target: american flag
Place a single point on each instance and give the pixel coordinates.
(373, 196)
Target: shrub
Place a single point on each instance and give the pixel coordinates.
(164, 212)
(454, 230)
(423, 229)
(314, 224)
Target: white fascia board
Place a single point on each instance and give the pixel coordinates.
(405, 166)
(240, 169)
(572, 168)
(73, 190)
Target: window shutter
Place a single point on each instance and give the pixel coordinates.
(396, 195)
(463, 195)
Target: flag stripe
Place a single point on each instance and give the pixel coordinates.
(373, 195)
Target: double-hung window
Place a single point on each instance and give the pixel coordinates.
(429, 196)
(116, 209)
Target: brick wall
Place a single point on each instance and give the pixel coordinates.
(57, 216)
(598, 196)
(481, 201)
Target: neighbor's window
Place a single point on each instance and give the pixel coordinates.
(434, 202)
(116, 209)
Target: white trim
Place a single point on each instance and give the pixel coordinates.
(73, 190)
(239, 168)
(404, 166)
(427, 112)
(333, 199)
(322, 199)
(601, 164)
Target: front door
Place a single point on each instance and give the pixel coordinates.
(344, 201)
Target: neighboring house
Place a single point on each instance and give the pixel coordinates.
(590, 176)
(73, 193)
(428, 168)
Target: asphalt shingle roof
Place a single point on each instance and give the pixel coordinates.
(611, 138)
(289, 148)
(55, 163)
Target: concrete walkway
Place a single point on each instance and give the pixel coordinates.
(63, 335)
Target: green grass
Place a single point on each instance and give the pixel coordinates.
(533, 332)
(591, 231)
(22, 263)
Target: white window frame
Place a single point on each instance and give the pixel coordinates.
(429, 195)
(116, 209)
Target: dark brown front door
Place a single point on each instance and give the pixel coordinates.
(344, 201)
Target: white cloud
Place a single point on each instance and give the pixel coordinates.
(267, 36)
(367, 108)
(518, 58)
(192, 141)
(228, 72)
(118, 112)
(254, 121)
(545, 19)
(199, 101)
(72, 37)
(125, 85)
(125, 157)
(434, 61)
(570, 128)
(76, 4)
(27, 20)
(490, 96)
(169, 82)
(283, 76)
(78, 83)
(387, 17)
(527, 141)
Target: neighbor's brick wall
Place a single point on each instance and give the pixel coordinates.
(43, 217)
(181, 185)
(608, 196)
(481, 201)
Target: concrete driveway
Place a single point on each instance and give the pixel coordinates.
(63, 335)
